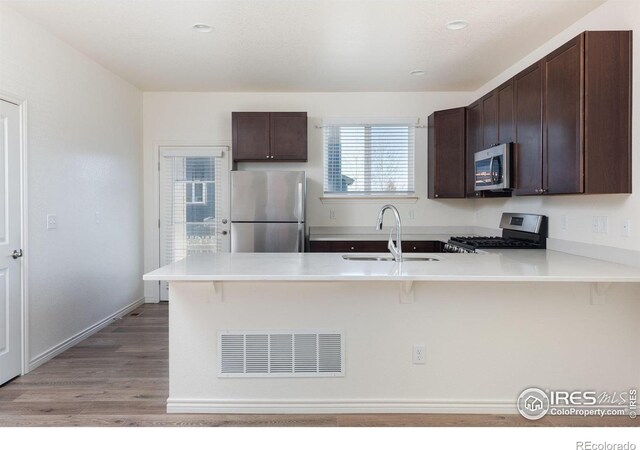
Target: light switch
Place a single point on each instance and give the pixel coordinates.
(52, 222)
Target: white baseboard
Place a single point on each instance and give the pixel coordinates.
(356, 406)
(73, 340)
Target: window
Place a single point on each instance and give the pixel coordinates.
(369, 158)
(196, 193)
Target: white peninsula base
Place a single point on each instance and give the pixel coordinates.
(485, 341)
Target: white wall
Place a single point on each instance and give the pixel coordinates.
(83, 140)
(613, 15)
(205, 117)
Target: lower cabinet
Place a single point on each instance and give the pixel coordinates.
(373, 246)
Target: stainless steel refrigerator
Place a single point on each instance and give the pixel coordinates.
(267, 211)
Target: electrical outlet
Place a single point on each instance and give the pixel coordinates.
(603, 224)
(412, 214)
(626, 227)
(564, 222)
(52, 222)
(98, 217)
(332, 214)
(419, 354)
(600, 224)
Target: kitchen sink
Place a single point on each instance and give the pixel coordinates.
(386, 258)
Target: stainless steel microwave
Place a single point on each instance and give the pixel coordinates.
(493, 168)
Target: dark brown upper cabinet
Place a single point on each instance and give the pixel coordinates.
(474, 144)
(563, 84)
(506, 114)
(528, 116)
(573, 118)
(269, 136)
(288, 136)
(568, 115)
(607, 112)
(447, 153)
(251, 136)
(489, 120)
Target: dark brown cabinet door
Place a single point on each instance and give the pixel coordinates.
(489, 120)
(373, 246)
(506, 118)
(447, 153)
(474, 144)
(289, 136)
(528, 148)
(269, 136)
(250, 136)
(608, 69)
(563, 151)
(348, 246)
(422, 246)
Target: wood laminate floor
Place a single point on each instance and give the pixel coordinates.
(120, 377)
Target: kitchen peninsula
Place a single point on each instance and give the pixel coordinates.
(489, 324)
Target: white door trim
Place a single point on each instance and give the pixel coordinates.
(153, 254)
(24, 286)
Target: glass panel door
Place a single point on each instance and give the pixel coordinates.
(194, 203)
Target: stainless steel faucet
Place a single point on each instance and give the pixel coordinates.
(396, 250)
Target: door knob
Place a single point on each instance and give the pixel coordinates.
(17, 254)
(224, 221)
(224, 232)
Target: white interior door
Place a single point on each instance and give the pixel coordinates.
(194, 203)
(10, 241)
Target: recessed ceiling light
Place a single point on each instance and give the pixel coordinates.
(457, 24)
(202, 28)
(417, 73)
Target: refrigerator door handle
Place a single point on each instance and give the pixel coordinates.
(300, 243)
(300, 202)
(300, 239)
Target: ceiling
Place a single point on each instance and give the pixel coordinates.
(304, 45)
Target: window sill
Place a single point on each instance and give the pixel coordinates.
(369, 199)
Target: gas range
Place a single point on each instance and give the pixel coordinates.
(519, 231)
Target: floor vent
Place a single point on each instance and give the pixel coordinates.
(277, 353)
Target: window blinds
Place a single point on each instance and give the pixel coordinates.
(190, 206)
(369, 158)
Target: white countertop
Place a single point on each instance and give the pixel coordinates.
(504, 265)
